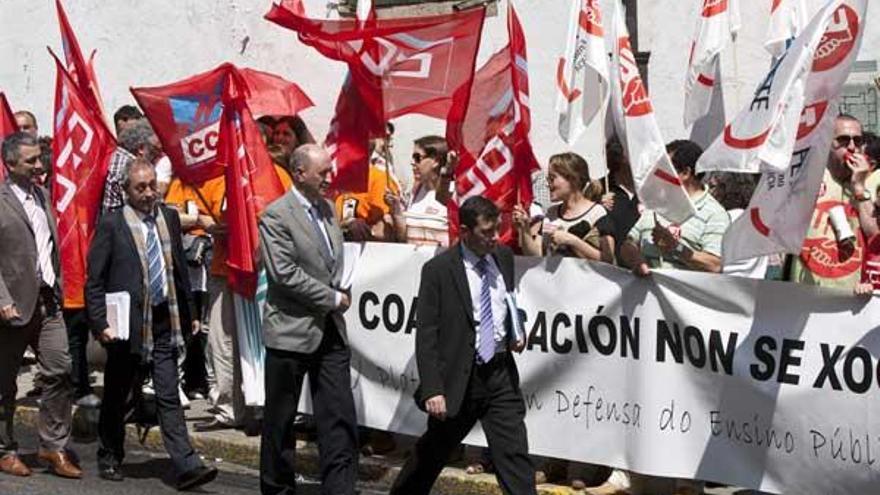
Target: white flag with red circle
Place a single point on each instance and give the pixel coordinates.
(781, 209)
(657, 183)
(582, 78)
(716, 27)
(763, 135)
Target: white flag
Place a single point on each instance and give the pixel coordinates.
(762, 136)
(787, 19)
(657, 183)
(779, 214)
(717, 25)
(582, 74)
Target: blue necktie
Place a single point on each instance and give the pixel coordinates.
(486, 350)
(154, 263)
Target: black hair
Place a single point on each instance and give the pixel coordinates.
(474, 208)
(127, 112)
(684, 154)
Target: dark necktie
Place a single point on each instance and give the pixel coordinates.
(486, 349)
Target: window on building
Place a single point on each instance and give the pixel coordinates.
(861, 95)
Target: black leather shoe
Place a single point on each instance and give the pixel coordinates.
(211, 425)
(196, 477)
(111, 473)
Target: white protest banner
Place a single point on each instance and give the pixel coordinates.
(762, 136)
(582, 73)
(718, 23)
(657, 183)
(764, 385)
(781, 208)
(787, 19)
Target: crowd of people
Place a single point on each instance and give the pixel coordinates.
(162, 242)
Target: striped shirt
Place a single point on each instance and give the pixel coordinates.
(701, 232)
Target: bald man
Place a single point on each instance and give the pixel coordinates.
(26, 122)
(304, 331)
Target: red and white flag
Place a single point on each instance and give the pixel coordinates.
(763, 135)
(252, 184)
(7, 127)
(81, 72)
(782, 207)
(788, 18)
(582, 79)
(657, 183)
(491, 134)
(186, 114)
(716, 27)
(397, 66)
(81, 150)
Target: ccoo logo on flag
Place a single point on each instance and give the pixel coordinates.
(712, 8)
(198, 122)
(838, 40)
(636, 102)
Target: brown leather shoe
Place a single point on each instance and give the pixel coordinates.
(61, 464)
(11, 464)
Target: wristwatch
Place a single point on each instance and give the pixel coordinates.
(865, 195)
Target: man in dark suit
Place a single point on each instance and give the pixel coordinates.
(466, 329)
(137, 249)
(304, 331)
(30, 309)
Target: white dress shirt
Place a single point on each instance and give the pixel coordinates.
(42, 235)
(307, 205)
(497, 291)
(145, 231)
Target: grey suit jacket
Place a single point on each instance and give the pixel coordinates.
(19, 284)
(302, 283)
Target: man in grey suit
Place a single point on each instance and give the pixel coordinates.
(30, 309)
(304, 331)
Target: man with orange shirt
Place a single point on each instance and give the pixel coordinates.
(365, 216)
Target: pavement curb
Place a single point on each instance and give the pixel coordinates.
(376, 470)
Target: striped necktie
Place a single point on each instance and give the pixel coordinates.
(154, 263)
(486, 348)
(43, 238)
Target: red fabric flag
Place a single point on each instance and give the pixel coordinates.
(81, 150)
(252, 184)
(186, 114)
(397, 66)
(81, 72)
(7, 127)
(491, 134)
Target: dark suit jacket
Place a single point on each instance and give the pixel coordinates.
(114, 266)
(446, 330)
(19, 284)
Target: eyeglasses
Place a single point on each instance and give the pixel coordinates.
(843, 141)
(418, 157)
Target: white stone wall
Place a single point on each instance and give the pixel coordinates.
(152, 42)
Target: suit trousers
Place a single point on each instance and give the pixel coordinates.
(47, 335)
(226, 394)
(78, 339)
(121, 374)
(491, 398)
(330, 381)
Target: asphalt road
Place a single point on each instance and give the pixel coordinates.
(145, 473)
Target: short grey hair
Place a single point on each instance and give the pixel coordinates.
(137, 136)
(12, 144)
(303, 155)
(133, 165)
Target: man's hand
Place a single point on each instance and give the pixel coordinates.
(518, 346)
(106, 336)
(863, 290)
(436, 407)
(641, 270)
(861, 169)
(344, 302)
(663, 238)
(196, 327)
(10, 312)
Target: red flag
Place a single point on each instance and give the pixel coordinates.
(491, 134)
(81, 72)
(7, 127)
(186, 114)
(397, 66)
(81, 150)
(252, 184)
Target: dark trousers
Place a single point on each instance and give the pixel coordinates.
(78, 341)
(491, 398)
(121, 374)
(46, 334)
(330, 380)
